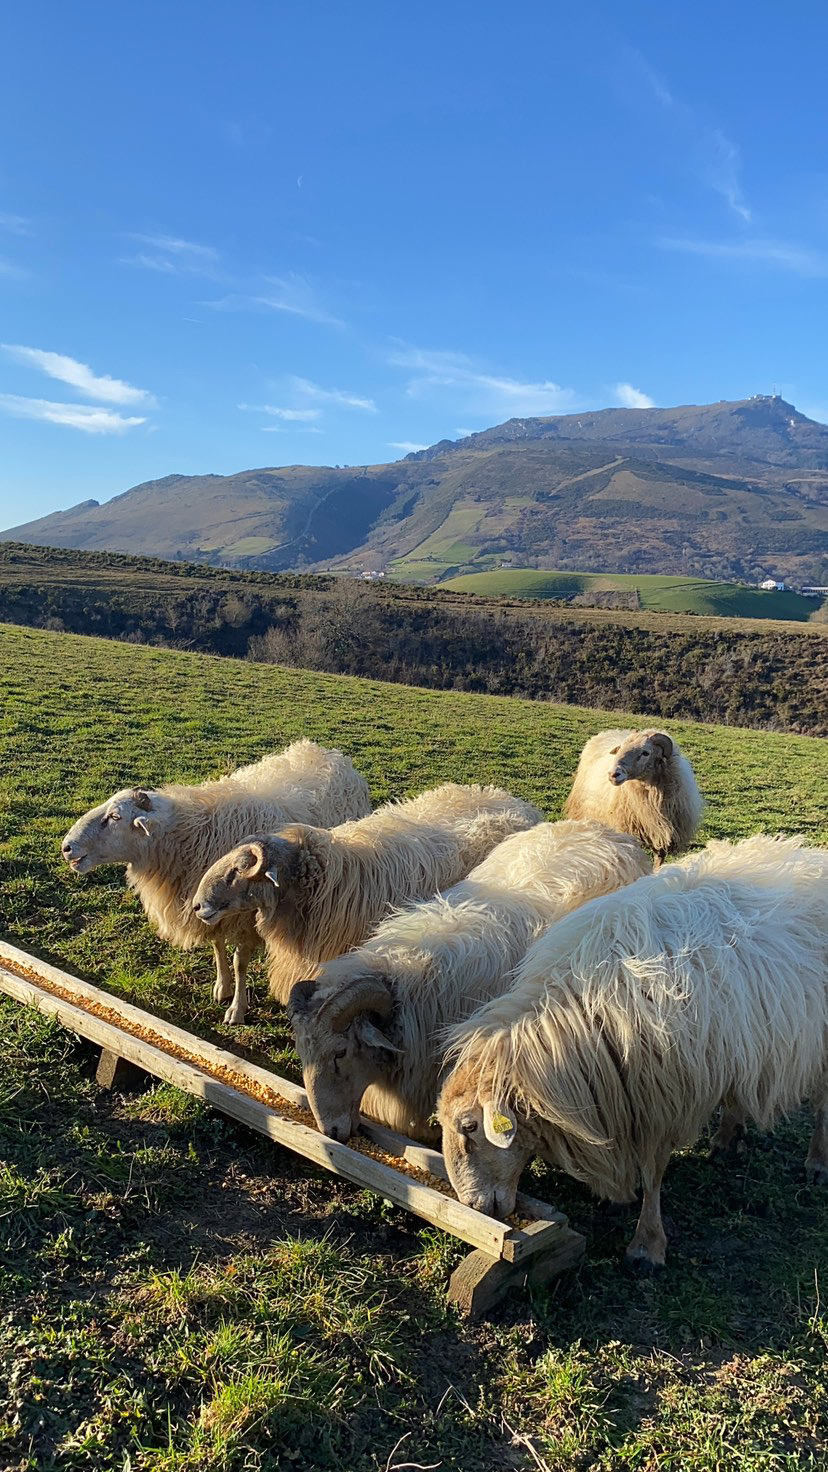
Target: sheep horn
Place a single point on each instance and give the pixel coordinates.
(660, 738)
(260, 860)
(363, 994)
(301, 998)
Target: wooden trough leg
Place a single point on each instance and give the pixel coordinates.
(115, 1072)
(480, 1281)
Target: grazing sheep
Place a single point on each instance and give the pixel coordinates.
(631, 1019)
(433, 964)
(167, 838)
(640, 783)
(318, 891)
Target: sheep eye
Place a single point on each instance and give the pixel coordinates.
(467, 1126)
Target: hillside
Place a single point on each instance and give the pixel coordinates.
(181, 1296)
(718, 491)
(656, 594)
(749, 672)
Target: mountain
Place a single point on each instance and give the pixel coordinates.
(720, 490)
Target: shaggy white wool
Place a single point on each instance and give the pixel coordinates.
(444, 957)
(334, 886)
(659, 802)
(632, 1018)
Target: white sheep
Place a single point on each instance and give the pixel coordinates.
(168, 836)
(631, 1019)
(317, 892)
(434, 963)
(638, 782)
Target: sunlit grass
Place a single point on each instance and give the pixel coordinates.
(177, 1295)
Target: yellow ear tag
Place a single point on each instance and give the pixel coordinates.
(501, 1124)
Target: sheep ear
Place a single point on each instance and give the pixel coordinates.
(499, 1125)
(141, 799)
(272, 876)
(615, 750)
(372, 1037)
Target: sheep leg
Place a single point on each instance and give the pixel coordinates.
(648, 1247)
(816, 1165)
(730, 1135)
(237, 1011)
(223, 984)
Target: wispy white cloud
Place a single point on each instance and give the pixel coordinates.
(15, 224)
(78, 375)
(408, 446)
(12, 270)
(305, 388)
(293, 295)
(310, 402)
(781, 254)
(89, 418)
(290, 415)
(297, 429)
(720, 167)
(632, 398)
(172, 255)
(716, 159)
(476, 390)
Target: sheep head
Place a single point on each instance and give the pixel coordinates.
(254, 875)
(118, 831)
(641, 757)
(485, 1145)
(341, 1049)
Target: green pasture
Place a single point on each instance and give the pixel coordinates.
(177, 1295)
(656, 594)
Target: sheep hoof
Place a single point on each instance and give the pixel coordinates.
(726, 1150)
(221, 992)
(235, 1015)
(641, 1267)
(816, 1173)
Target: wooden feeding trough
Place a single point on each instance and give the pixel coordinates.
(506, 1255)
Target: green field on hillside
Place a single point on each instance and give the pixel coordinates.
(658, 594)
(179, 1296)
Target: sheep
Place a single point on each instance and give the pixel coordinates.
(632, 1018)
(316, 892)
(167, 837)
(432, 964)
(641, 783)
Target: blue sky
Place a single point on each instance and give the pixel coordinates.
(271, 233)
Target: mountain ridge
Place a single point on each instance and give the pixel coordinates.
(731, 489)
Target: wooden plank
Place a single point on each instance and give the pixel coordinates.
(442, 1211)
(114, 1072)
(515, 1243)
(480, 1282)
(523, 1241)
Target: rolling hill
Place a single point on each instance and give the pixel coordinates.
(656, 594)
(718, 491)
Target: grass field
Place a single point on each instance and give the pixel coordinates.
(656, 594)
(178, 1295)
